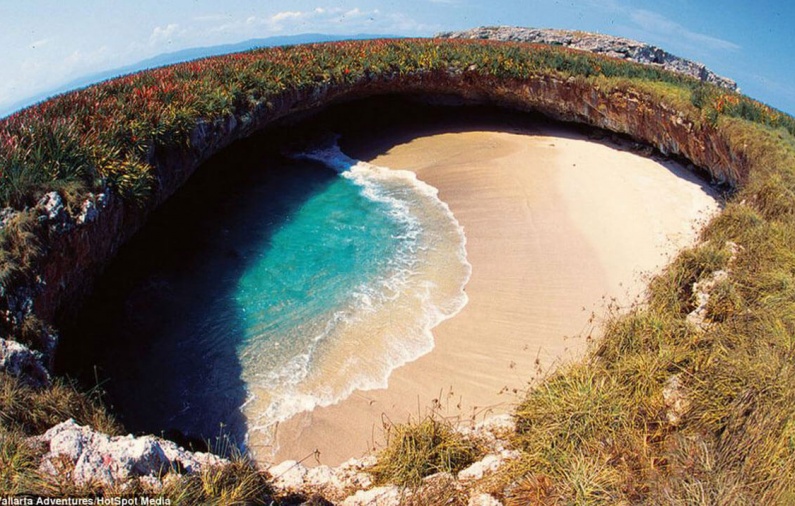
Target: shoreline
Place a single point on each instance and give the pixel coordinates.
(545, 259)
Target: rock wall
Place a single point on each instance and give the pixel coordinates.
(75, 248)
(93, 457)
(608, 45)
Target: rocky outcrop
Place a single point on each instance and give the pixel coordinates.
(608, 45)
(18, 360)
(330, 482)
(703, 289)
(92, 457)
(351, 484)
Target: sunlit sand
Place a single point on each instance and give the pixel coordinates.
(557, 227)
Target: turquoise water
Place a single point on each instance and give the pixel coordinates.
(326, 252)
(289, 293)
(384, 262)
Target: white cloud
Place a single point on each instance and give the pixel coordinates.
(163, 34)
(35, 74)
(648, 24)
(661, 26)
(47, 64)
(79, 60)
(606, 5)
(281, 16)
(332, 20)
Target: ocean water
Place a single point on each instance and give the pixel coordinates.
(288, 295)
(384, 262)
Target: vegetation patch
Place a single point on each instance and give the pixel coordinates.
(416, 450)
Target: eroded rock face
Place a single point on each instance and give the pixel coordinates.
(334, 483)
(94, 457)
(615, 47)
(19, 361)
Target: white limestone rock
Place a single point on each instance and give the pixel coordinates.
(487, 465)
(289, 475)
(19, 361)
(701, 293)
(675, 398)
(379, 496)
(334, 483)
(476, 471)
(92, 456)
(52, 206)
(614, 47)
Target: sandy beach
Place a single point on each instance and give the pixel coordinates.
(557, 226)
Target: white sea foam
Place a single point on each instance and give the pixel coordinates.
(402, 306)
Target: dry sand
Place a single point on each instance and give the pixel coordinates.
(556, 226)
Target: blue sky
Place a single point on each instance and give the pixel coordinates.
(47, 43)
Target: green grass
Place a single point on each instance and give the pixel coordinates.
(18, 464)
(237, 483)
(32, 411)
(27, 411)
(420, 449)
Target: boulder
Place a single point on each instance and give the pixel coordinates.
(19, 361)
(94, 457)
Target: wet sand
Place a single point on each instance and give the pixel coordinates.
(557, 226)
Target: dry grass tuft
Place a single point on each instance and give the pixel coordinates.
(32, 411)
(417, 450)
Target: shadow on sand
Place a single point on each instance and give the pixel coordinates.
(161, 331)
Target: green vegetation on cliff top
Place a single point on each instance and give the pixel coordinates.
(663, 410)
(107, 133)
